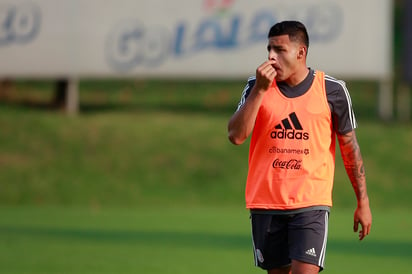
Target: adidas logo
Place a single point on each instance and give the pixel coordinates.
(288, 130)
(311, 252)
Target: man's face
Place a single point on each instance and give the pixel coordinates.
(286, 55)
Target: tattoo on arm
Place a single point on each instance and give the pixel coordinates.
(353, 162)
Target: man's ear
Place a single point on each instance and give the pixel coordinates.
(302, 52)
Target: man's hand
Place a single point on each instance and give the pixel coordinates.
(265, 74)
(362, 216)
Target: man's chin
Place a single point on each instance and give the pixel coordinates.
(279, 78)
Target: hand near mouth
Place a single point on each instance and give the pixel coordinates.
(265, 74)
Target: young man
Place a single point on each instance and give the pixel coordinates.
(294, 114)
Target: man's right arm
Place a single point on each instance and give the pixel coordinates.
(241, 124)
(243, 120)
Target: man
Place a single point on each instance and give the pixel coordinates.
(294, 113)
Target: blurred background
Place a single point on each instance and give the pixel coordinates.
(114, 155)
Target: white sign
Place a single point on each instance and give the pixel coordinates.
(187, 38)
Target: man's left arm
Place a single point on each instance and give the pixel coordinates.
(355, 169)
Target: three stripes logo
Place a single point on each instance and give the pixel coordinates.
(288, 130)
(311, 252)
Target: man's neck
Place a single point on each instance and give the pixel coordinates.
(297, 77)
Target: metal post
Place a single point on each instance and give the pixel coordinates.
(404, 102)
(72, 100)
(385, 99)
(404, 97)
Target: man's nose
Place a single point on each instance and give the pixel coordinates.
(272, 55)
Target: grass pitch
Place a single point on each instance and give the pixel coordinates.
(178, 240)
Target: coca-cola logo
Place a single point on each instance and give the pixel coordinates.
(287, 164)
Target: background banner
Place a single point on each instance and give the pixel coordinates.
(187, 38)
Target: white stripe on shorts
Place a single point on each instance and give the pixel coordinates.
(253, 243)
(325, 239)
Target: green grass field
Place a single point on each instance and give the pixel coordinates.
(178, 240)
(144, 180)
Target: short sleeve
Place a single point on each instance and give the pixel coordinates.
(246, 91)
(340, 103)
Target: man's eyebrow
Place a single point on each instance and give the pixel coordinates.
(274, 47)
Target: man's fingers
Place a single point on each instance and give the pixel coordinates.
(361, 235)
(268, 63)
(355, 225)
(368, 230)
(265, 74)
(266, 67)
(364, 231)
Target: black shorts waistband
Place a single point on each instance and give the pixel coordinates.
(289, 211)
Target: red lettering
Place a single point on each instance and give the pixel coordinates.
(290, 164)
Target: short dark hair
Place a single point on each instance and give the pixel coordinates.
(295, 29)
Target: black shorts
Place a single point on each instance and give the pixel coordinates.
(280, 238)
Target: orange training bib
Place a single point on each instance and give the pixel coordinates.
(292, 151)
